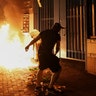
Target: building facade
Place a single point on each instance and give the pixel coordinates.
(78, 40)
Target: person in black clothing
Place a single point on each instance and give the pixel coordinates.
(48, 59)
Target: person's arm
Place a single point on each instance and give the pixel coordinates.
(32, 42)
(57, 47)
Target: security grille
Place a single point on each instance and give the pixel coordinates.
(75, 21)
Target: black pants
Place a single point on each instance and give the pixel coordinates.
(49, 61)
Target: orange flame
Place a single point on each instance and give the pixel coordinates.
(12, 49)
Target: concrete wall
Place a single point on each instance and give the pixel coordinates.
(91, 56)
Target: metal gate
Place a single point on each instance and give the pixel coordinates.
(76, 27)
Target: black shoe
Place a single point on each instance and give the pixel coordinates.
(50, 91)
(54, 90)
(38, 88)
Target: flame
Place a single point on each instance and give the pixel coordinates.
(12, 49)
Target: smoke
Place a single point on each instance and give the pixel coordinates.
(11, 11)
(2, 16)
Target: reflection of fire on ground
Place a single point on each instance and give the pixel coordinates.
(12, 48)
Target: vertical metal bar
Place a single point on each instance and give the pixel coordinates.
(93, 20)
(74, 33)
(85, 34)
(71, 31)
(80, 27)
(77, 15)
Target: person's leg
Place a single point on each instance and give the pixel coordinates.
(54, 78)
(55, 67)
(39, 78)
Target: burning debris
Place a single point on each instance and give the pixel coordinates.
(12, 39)
(12, 50)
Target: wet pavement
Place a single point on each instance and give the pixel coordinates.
(73, 76)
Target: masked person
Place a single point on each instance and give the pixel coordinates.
(48, 59)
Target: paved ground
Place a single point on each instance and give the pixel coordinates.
(73, 76)
(78, 82)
